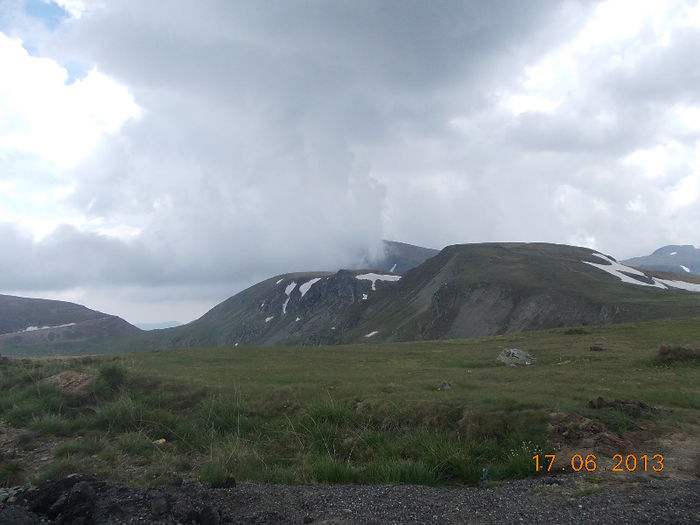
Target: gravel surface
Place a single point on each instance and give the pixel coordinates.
(562, 499)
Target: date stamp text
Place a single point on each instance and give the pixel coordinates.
(591, 463)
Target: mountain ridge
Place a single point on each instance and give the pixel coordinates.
(465, 290)
(40, 326)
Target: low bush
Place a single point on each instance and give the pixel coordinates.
(11, 473)
(667, 355)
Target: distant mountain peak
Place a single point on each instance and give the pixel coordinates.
(674, 258)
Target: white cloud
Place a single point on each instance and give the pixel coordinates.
(76, 8)
(684, 193)
(40, 114)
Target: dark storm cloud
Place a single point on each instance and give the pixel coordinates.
(247, 151)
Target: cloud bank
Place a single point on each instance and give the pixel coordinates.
(173, 154)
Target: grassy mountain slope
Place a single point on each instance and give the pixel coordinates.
(18, 313)
(41, 326)
(485, 289)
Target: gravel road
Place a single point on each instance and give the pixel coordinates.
(561, 499)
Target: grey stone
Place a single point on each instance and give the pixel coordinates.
(159, 505)
(514, 357)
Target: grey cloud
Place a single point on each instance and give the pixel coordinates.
(284, 136)
(667, 73)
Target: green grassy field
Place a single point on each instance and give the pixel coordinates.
(358, 413)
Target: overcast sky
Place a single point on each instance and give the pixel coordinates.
(158, 156)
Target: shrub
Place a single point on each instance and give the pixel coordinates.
(135, 443)
(60, 469)
(407, 471)
(327, 470)
(677, 354)
(84, 447)
(11, 473)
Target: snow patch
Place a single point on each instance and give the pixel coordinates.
(364, 296)
(371, 334)
(374, 277)
(685, 269)
(297, 320)
(673, 253)
(35, 328)
(288, 290)
(282, 279)
(393, 268)
(617, 269)
(690, 287)
(268, 319)
(307, 285)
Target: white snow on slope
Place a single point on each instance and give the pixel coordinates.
(691, 287)
(364, 296)
(282, 279)
(35, 328)
(374, 277)
(268, 319)
(673, 253)
(371, 334)
(393, 268)
(288, 290)
(307, 285)
(685, 268)
(616, 269)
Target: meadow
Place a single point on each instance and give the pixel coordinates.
(372, 413)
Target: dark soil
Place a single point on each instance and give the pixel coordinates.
(81, 499)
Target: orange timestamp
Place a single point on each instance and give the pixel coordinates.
(590, 463)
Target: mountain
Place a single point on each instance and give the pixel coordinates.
(399, 257)
(671, 258)
(464, 291)
(297, 308)
(33, 326)
(495, 288)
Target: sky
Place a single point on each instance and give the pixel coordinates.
(158, 157)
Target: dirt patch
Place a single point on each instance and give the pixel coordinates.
(71, 382)
(579, 435)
